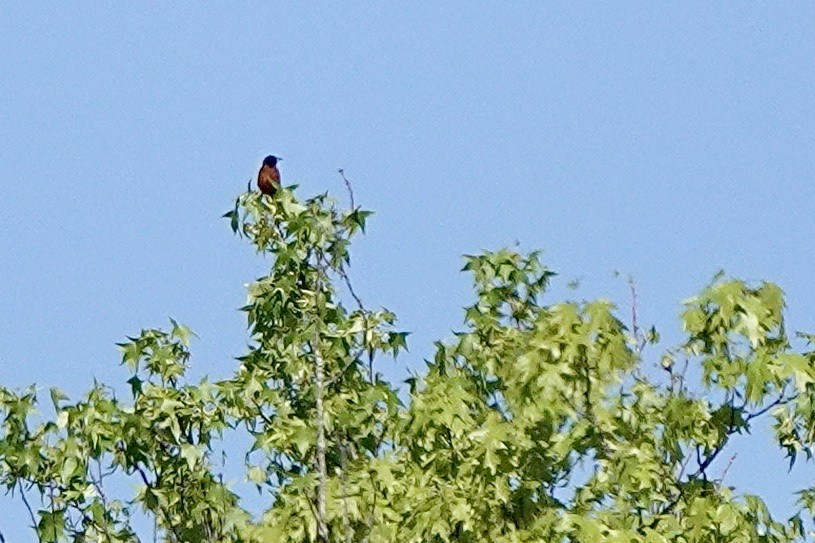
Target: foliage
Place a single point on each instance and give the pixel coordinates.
(536, 423)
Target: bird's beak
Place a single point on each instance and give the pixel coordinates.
(279, 159)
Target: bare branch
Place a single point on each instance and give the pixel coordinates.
(30, 511)
(726, 469)
(348, 186)
(639, 337)
(347, 280)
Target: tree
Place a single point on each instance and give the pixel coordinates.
(538, 423)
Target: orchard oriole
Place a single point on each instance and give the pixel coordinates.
(269, 176)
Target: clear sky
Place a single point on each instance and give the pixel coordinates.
(663, 140)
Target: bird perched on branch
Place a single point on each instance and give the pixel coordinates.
(269, 176)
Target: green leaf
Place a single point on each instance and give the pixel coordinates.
(256, 475)
(56, 397)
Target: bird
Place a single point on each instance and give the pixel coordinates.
(269, 175)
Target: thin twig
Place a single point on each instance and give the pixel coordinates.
(639, 339)
(365, 314)
(726, 469)
(30, 511)
(344, 275)
(98, 483)
(346, 279)
(682, 387)
(348, 186)
(682, 467)
(781, 400)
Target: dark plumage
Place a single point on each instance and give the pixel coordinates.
(269, 176)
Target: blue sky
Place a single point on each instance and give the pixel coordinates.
(664, 141)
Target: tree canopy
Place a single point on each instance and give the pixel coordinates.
(537, 422)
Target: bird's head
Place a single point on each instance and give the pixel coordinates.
(271, 161)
